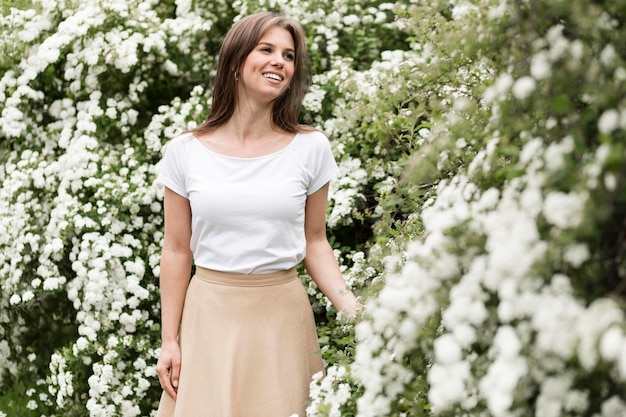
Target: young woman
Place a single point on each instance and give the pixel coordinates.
(245, 198)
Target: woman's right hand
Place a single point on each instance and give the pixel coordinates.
(168, 368)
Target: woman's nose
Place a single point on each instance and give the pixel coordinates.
(278, 61)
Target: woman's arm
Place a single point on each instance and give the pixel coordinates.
(320, 261)
(175, 274)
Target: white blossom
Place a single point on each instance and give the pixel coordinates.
(504, 373)
(576, 254)
(608, 55)
(564, 210)
(540, 66)
(612, 344)
(523, 87)
(609, 121)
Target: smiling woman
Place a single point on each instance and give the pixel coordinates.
(245, 199)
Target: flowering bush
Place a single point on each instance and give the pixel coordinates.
(81, 218)
(479, 206)
(503, 293)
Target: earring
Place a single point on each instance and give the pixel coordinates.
(236, 76)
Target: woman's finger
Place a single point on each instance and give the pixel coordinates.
(165, 380)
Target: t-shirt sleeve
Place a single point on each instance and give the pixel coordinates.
(324, 167)
(172, 173)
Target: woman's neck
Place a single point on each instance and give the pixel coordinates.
(250, 124)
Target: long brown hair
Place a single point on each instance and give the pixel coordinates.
(240, 40)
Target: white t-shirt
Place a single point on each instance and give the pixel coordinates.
(248, 213)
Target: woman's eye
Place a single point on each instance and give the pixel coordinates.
(290, 57)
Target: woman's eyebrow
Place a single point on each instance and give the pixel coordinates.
(273, 46)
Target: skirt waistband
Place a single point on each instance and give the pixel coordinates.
(245, 280)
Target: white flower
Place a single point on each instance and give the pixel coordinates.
(577, 49)
(15, 299)
(81, 343)
(461, 143)
(602, 314)
(170, 67)
(524, 87)
(314, 98)
(531, 149)
(554, 154)
(462, 9)
(499, 89)
(551, 400)
(564, 210)
(576, 254)
(447, 383)
(610, 181)
(424, 133)
(351, 20)
(540, 66)
(609, 121)
(345, 191)
(498, 11)
(608, 56)
(612, 344)
(499, 384)
(447, 350)
(613, 407)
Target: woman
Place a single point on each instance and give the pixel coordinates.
(245, 197)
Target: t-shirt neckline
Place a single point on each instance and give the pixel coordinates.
(243, 158)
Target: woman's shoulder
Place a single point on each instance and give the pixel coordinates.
(179, 142)
(313, 145)
(313, 136)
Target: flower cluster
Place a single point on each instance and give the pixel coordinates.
(90, 93)
(496, 307)
(80, 214)
(330, 392)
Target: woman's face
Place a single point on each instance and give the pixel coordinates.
(268, 69)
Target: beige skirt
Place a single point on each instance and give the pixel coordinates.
(249, 347)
